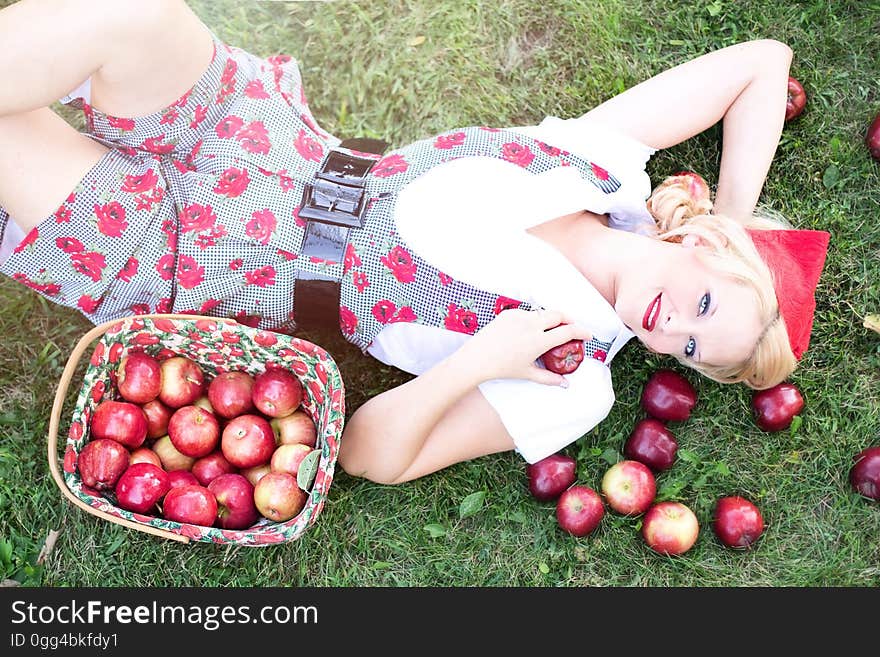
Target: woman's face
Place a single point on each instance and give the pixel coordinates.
(677, 304)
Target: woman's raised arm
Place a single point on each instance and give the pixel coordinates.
(745, 85)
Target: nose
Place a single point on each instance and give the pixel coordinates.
(673, 324)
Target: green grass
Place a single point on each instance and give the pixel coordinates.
(508, 63)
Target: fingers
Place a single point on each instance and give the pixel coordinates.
(546, 377)
(565, 333)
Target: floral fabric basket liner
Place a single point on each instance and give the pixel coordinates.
(217, 345)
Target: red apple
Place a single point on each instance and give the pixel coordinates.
(651, 443)
(247, 441)
(298, 427)
(256, 473)
(579, 510)
(235, 501)
(287, 458)
(668, 396)
(141, 486)
(205, 403)
(157, 415)
(209, 467)
(629, 487)
(775, 408)
(737, 522)
(278, 497)
(123, 422)
(171, 458)
(276, 392)
(564, 358)
(182, 382)
(101, 462)
(182, 478)
(194, 431)
(192, 504)
(796, 100)
(864, 476)
(230, 394)
(872, 138)
(139, 377)
(550, 476)
(670, 528)
(145, 455)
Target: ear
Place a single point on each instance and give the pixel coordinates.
(690, 241)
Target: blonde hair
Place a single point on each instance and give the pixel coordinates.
(680, 208)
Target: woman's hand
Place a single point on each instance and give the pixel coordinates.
(509, 345)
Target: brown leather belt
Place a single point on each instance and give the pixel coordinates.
(332, 205)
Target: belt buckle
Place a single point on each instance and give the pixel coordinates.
(336, 196)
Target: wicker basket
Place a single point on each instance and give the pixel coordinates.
(217, 345)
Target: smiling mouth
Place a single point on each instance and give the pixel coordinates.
(651, 314)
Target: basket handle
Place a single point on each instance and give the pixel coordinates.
(55, 418)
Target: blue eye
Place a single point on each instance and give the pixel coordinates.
(691, 348)
(705, 302)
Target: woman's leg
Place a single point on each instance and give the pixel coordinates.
(140, 56)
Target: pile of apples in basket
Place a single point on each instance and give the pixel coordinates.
(218, 452)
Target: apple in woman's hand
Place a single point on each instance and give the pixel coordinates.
(668, 396)
(775, 407)
(872, 138)
(865, 473)
(737, 522)
(550, 476)
(651, 443)
(797, 99)
(564, 358)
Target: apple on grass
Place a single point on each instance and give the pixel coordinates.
(670, 528)
(796, 99)
(775, 408)
(579, 510)
(209, 467)
(139, 377)
(278, 497)
(298, 427)
(737, 522)
(550, 476)
(668, 396)
(629, 487)
(183, 382)
(195, 505)
(872, 138)
(194, 431)
(247, 441)
(230, 394)
(123, 422)
(141, 487)
(287, 458)
(276, 392)
(171, 458)
(864, 475)
(651, 443)
(101, 462)
(235, 501)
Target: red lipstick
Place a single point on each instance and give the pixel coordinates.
(651, 314)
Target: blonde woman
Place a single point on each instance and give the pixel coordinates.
(204, 184)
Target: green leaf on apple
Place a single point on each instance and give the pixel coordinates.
(435, 530)
(471, 504)
(308, 468)
(796, 422)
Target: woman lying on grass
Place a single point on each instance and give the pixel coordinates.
(460, 258)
